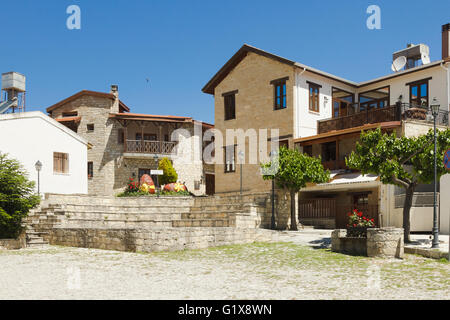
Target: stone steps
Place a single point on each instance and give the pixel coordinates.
(187, 223)
(205, 215)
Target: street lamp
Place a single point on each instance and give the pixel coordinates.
(273, 155)
(241, 160)
(38, 166)
(435, 112)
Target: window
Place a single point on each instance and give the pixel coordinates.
(166, 137)
(361, 199)
(314, 97)
(70, 114)
(418, 93)
(120, 136)
(90, 127)
(308, 150)
(230, 161)
(280, 95)
(90, 169)
(60, 162)
(230, 105)
(329, 151)
(283, 143)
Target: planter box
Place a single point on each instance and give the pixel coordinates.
(380, 242)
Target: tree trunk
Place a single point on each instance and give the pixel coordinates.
(293, 215)
(407, 211)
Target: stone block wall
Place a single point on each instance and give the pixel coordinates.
(13, 244)
(380, 242)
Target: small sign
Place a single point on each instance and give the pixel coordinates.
(447, 160)
(156, 172)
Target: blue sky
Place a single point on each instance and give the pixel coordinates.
(180, 45)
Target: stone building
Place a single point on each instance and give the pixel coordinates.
(322, 114)
(127, 145)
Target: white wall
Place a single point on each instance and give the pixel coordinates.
(305, 121)
(32, 136)
(445, 204)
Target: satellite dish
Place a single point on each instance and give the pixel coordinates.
(425, 58)
(398, 63)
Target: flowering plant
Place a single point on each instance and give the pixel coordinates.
(133, 186)
(358, 224)
(356, 219)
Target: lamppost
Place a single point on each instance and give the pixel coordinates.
(38, 166)
(241, 160)
(435, 112)
(157, 177)
(273, 154)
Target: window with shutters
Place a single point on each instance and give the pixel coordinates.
(230, 105)
(60, 162)
(230, 161)
(314, 90)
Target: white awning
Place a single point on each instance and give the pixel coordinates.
(347, 181)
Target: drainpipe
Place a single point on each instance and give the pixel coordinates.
(448, 84)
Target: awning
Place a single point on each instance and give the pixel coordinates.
(354, 180)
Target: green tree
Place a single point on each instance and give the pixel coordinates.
(402, 161)
(17, 197)
(169, 173)
(292, 170)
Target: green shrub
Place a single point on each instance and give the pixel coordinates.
(169, 173)
(17, 197)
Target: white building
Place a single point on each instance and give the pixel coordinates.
(32, 136)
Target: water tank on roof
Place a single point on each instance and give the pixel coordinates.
(13, 81)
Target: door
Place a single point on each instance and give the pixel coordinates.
(210, 184)
(340, 108)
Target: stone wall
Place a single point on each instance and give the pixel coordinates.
(150, 223)
(13, 244)
(380, 242)
(156, 239)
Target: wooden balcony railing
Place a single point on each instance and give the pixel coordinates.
(397, 112)
(150, 147)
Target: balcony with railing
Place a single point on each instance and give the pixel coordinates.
(149, 147)
(360, 114)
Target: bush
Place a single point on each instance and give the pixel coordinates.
(17, 197)
(169, 173)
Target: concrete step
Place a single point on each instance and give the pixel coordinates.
(36, 242)
(186, 223)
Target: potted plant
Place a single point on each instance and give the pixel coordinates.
(358, 224)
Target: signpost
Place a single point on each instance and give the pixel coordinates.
(157, 173)
(447, 166)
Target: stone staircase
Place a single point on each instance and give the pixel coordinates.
(39, 222)
(228, 211)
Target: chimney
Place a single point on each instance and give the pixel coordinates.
(446, 41)
(115, 92)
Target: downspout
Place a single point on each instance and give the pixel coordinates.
(448, 85)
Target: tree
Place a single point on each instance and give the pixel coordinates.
(169, 173)
(402, 161)
(17, 197)
(293, 171)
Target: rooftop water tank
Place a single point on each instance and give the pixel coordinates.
(13, 81)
